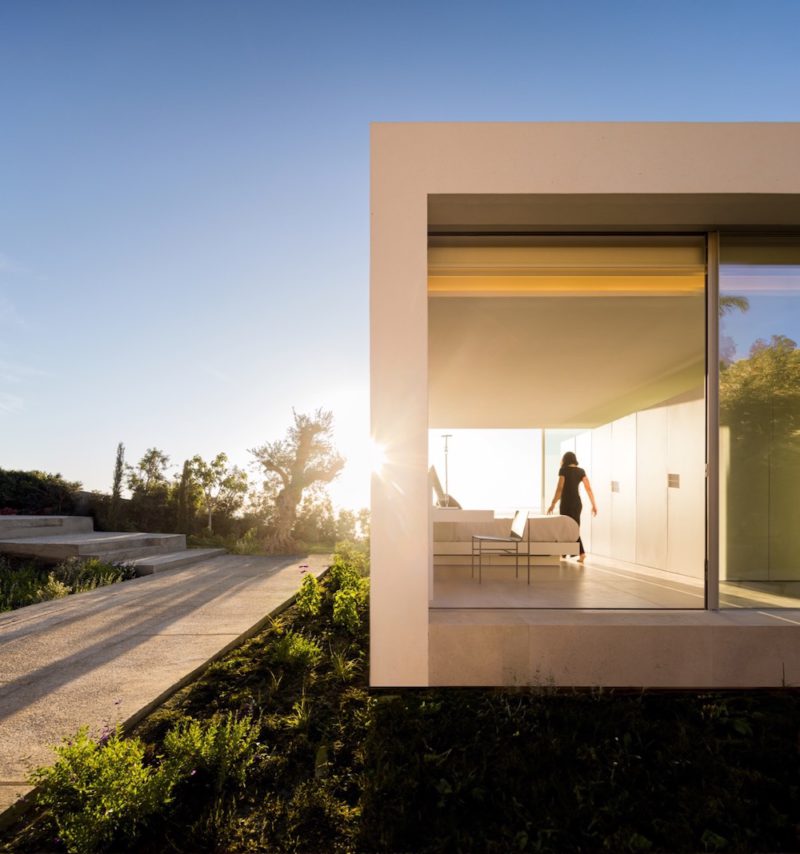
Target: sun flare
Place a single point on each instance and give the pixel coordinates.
(377, 456)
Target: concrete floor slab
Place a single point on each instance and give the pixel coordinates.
(101, 658)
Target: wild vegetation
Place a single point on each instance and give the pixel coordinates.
(280, 746)
(35, 492)
(26, 582)
(285, 508)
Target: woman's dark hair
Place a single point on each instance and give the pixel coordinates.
(569, 459)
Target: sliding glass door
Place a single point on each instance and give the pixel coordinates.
(759, 422)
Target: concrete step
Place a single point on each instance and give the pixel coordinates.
(108, 546)
(173, 560)
(19, 527)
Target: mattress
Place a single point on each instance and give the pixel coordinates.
(543, 529)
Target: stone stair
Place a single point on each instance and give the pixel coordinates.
(56, 538)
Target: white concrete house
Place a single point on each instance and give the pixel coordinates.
(627, 292)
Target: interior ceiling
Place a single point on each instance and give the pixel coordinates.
(560, 361)
(624, 212)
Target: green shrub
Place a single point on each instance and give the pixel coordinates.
(350, 605)
(82, 574)
(26, 582)
(35, 493)
(344, 668)
(295, 650)
(223, 748)
(51, 589)
(350, 562)
(250, 543)
(309, 597)
(96, 794)
(19, 583)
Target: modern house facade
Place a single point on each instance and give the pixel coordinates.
(627, 292)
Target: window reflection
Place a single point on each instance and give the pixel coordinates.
(760, 423)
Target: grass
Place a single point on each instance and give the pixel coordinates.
(282, 747)
(26, 582)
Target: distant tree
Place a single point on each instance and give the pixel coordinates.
(221, 487)
(150, 473)
(150, 492)
(116, 489)
(346, 525)
(187, 499)
(316, 522)
(760, 395)
(304, 458)
(727, 346)
(730, 303)
(363, 523)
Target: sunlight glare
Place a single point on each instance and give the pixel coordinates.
(377, 455)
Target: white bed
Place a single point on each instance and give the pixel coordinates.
(550, 536)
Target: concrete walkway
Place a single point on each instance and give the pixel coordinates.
(104, 657)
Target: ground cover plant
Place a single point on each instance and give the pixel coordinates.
(282, 747)
(25, 581)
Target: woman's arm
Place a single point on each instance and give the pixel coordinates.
(589, 492)
(559, 488)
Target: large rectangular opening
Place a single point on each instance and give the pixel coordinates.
(541, 346)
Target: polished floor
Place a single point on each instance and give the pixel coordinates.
(600, 583)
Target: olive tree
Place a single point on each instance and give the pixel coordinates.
(305, 458)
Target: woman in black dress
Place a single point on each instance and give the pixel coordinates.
(570, 477)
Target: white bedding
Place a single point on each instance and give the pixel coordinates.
(543, 529)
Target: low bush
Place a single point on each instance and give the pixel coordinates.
(294, 650)
(309, 597)
(221, 749)
(97, 795)
(26, 582)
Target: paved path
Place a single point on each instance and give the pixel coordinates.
(102, 657)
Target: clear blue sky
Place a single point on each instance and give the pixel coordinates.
(184, 190)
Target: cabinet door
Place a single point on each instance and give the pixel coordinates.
(583, 450)
(651, 488)
(601, 484)
(686, 518)
(623, 488)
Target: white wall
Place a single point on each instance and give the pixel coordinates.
(646, 522)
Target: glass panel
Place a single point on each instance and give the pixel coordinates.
(594, 346)
(759, 423)
(498, 470)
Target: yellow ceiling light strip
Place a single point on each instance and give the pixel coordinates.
(630, 268)
(567, 286)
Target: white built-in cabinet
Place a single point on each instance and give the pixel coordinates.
(647, 472)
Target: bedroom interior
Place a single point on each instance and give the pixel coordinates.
(539, 345)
